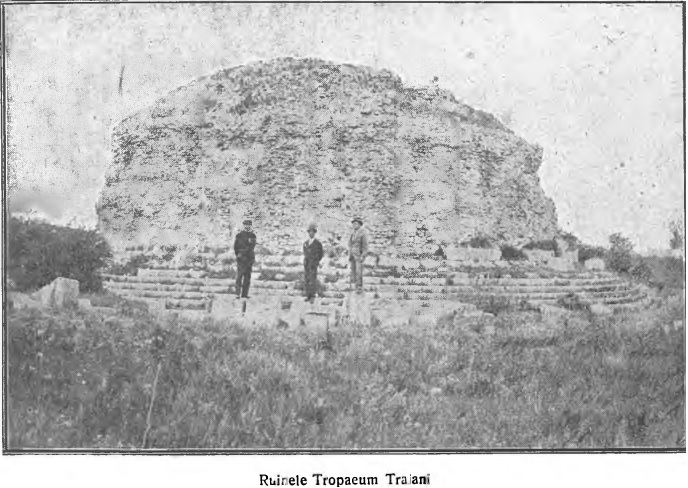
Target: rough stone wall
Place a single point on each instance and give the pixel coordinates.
(293, 141)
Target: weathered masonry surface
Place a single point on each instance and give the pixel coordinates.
(294, 141)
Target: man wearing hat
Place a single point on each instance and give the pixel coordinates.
(312, 254)
(358, 250)
(244, 244)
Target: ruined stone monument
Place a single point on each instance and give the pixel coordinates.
(293, 141)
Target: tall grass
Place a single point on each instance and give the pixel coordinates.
(85, 379)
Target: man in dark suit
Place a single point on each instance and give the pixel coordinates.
(312, 254)
(244, 245)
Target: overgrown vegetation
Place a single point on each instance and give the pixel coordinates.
(39, 252)
(510, 253)
(620, 255)
(478, 242)
(131, 266)
(571, 239)
(545, 245)
(85, 379)
(587, 251)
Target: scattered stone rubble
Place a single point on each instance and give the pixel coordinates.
(399, 292)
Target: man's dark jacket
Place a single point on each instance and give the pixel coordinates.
(313, 253)
(244, 243)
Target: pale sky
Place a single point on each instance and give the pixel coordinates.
(599, 87)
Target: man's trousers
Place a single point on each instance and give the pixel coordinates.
(243, 278)
(356, 273)
(310, 279)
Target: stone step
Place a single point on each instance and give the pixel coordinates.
(195, 304)
(619, 300)
(510, 297)
(171, 301)
(404, 296)
(497, 288)
(218, 284)
(228, 288)
(577, 280)
(372, 271)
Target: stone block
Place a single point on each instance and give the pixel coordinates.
(192, 315)
(538, 255)
(292, 260)
(430, 263)
(62, 292)
(157, 307)
(594, 264)
(316, 322)
(600, 309)
(386, 261)
(560, 264)
(356, 308)
(290, 319)
(389, 313)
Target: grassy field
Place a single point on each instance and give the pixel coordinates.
(86, 379)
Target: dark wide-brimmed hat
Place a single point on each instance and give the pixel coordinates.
(357, 219)
(248, 222)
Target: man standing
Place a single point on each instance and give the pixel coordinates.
(244, 244)
(358, 250)
(312, 254)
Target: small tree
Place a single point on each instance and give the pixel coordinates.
(678, 232)
(620, 257)
(39, 252)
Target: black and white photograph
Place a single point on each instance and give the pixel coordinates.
(343, 228)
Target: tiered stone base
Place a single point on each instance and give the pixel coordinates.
(427, 284)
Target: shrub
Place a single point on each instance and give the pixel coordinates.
(620, 257)
(573, 302)
(131, 266)
(510, 253)
(480, 242)
(662, 272)
(546, 245)
(494, 305)
(331, 278)
(678, 231)
(586, 251)
(572, 240)
(267, 274)
(168, 253)
(39, 252)
(640, 270)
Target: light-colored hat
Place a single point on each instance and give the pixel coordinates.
(357, 219)
(312, 227)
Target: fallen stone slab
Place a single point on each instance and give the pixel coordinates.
(61, 293)
(600, 309)
(316, 322)
(356, 308)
